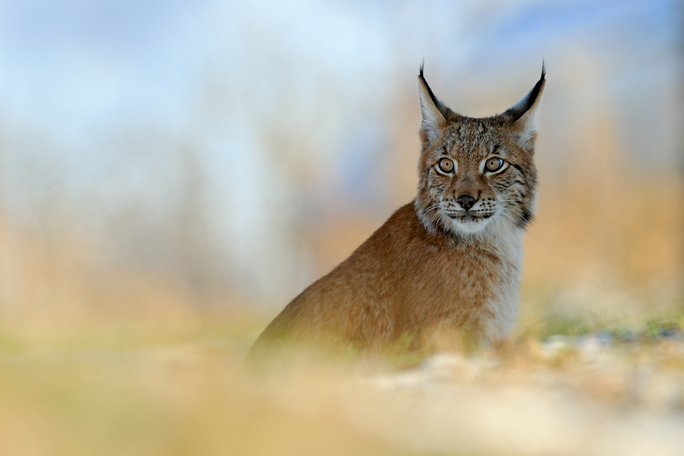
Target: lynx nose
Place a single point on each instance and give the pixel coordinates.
(466, 201)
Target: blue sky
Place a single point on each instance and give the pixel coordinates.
(65, 65)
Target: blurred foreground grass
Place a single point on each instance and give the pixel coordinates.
(152, 388)
(175, 386)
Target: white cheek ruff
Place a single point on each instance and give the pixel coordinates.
(498, 226)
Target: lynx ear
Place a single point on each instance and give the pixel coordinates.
(433, 110)
(523, 115)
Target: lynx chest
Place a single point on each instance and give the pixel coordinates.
(469, 284)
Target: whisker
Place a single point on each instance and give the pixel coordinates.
(433, 207)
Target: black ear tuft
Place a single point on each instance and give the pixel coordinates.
(432, 96)
(523, 116)
(434, 113)
(524, 105)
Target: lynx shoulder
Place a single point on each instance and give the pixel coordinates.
(448, 261)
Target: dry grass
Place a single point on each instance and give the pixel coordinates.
(151, 388)
(145, 389)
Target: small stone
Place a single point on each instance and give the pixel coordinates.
(447, 366)
(556, 344)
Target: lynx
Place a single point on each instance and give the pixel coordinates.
(448, 261)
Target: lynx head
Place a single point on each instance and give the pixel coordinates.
(477, 176)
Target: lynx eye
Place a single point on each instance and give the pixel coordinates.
(493, 164)
(446, 165)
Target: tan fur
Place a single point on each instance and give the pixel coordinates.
(433, 267)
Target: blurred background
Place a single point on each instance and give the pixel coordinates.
(191, 156)
(173, 173)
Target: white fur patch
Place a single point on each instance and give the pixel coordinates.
(506, 237)
(470, 226)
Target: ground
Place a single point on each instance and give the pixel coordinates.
(156, 388)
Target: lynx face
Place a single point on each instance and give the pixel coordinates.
(476, 175)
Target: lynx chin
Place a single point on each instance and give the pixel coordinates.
(449, 262)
